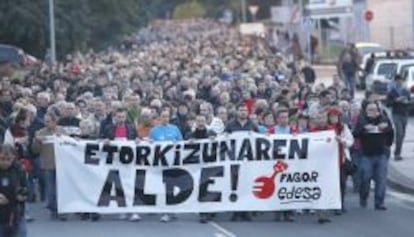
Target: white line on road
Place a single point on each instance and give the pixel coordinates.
(406, 200)
(224, 231)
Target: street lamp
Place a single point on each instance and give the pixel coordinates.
(52, 31)
(243, 10)
(253, 9)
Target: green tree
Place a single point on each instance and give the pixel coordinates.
(80, 24)
(192, 9)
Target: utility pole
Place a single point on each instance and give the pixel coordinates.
(308, 29)
(243, 10)
(52, 31)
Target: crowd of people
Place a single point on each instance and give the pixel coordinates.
(186, 80)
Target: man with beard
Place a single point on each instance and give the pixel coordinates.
(376, 134)
(241, 123)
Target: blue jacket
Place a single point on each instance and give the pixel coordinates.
(167, 132)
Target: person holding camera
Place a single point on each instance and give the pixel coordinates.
(13, 194)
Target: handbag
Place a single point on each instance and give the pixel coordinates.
(350, 167)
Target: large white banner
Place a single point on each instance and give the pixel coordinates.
(241, 171)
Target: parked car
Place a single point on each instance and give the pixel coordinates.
(384, 71)
(381, 75)
(408, 75)
(362, 74)
(365, 49)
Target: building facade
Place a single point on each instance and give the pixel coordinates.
(393, 23)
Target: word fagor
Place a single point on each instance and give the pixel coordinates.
(189, 153)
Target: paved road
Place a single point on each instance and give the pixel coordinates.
(397, 221)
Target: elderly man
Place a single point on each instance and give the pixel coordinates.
(69, 122)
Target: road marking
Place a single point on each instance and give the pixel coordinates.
(406, 200)
(219, 235)
(224, 231)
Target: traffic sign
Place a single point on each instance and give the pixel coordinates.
(368, 15)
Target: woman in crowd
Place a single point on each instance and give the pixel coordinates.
(13, 194)
(345, 140)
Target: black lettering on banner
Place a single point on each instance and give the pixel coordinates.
(140, 198)
(245, 150)
(177, 155)
(262, 149)
(300, 194)
(297, 177)
(126, 155)
(113, 181)
(177, 178)
(300, 150)
(210, 152)
(159, 155)
(315, 176)
(142, 155)
(90, 151)
(206, 179)
(234, 180)
(193, 157)
(226, 150)
(110, 150)
(277, 145)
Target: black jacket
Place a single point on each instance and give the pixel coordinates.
(12, 182)
(398, 108)
(374, 143)
(181, 122)
(108, 132)
(234, 126)
(309, 74)
(69, 122)
(201, 133)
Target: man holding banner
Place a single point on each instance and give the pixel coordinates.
(241, 123)
(121, 130)
(165, 132)
(44, 148)
(201, 132)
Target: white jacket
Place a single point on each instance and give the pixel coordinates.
(8, 138)
(216, 125)
(348, 140)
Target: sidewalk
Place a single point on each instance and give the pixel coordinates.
(401, 173)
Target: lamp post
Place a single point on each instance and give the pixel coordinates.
(52, 31)
(243, 10)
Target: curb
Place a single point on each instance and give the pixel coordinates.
(399, 182)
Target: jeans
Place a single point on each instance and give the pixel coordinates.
(373, 167)
(349, 82)
(37, 174)
(356, 176)
(343, 178)
(21, 230)
(51, 190)
(400, 124)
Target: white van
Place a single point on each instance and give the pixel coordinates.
(384, 72)
(381, 74)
